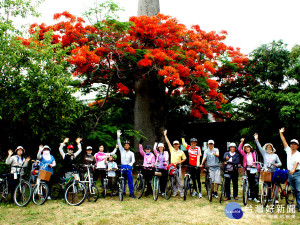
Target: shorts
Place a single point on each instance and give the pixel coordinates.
(215, 176)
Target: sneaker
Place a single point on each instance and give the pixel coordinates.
(256, 200)
(236, 198)
(199, 195)
(195, 193)
(216, 195)
(49, 198)
(174, 194)
(132, 196)
(249, 199)
(276, 202)
(226, 199)
(162, 194)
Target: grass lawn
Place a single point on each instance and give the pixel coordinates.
(140, 211)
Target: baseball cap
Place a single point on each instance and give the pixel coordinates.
(211, 142)
(175, 142)
(89, 148)
(294, 141)
(160, 145)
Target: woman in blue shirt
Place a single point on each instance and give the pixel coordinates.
(47, 162)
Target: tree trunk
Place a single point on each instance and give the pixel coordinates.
(149, 106)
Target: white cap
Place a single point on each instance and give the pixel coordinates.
(175, 142)
(294, 141)
(232, 145)
(46, 147)
(89, 148)
(211, 142)
(160, 145)
(19, 147)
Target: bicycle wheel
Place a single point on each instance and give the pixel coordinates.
(185, 187)
(40, 194)
(105, 187)
(274, 198)
(222, 190)
(139, 187)
(121, 188)
(156, 182)
(245, 191)
(209, 189)
(169, 188)
(264, 194)
(2, 190)
(22, 193)
(75, 193)
(93, 193)
(289, 195)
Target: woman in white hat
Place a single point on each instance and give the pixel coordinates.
(16, 160)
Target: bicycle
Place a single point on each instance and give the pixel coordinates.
(225, 175)
(245, 186)
(156, 184)
(208, 182)
(40, 188)
(139, 185)
(187, 185)
(93, 191)
(121, 184)
(105, 184)
(4, 191)
(23, 191)
(172, 172)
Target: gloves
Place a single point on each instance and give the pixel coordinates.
(182, 134)
(141, 140)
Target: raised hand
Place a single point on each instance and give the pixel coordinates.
(78, 140)
(28, 158)
(242, 140)
(10, 152)
(255, 136)
(119, 133)
(41, 147)
(117, 146)
(141, 140)
(282, 130)
(66, 140)
(165, 132)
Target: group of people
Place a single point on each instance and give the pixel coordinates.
(161, 160)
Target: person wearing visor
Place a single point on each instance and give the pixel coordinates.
(88, 159)
(127, 161)
(69, 157)
(15, 160)
(211, 156)
(47, 162)
(293, 165)
(148, 164)
(162, 161)
(177, 158)
(249, 163)
(194, 161)
(231, 160)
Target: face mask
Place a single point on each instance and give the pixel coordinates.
(147, 153)
(46, 155)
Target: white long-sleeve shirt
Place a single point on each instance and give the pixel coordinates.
(61, 151)
(127, 157)
(15, 160)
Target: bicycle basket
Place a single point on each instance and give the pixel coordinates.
(172, 169)
(266, 176)
(279, 176)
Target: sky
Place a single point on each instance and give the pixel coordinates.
(248, 23)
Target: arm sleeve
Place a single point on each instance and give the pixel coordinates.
(61, 151)
(141, 150)
(25, 163)
(78, 151)
(278, 162)
(260, 148)
(133, 159)
(217, 152)
(154, 149)
(204, 155)
(167, 156)
(184, 143)
(224, 157)
(120, 145)
(113, 152)
(54, 162)
(241, 151)
(39, 154)
(9, 160)
(198, 160)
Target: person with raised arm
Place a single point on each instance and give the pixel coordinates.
(177, 158)
(15, 160)
(162, 162)
(69, 157)
(293, 165)
(211, 156)
(194, 161)
(148, 165)
(47, 162)
(127, 161)
(249, 159)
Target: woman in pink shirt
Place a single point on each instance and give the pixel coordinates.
(148, 164)
(251, 168)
